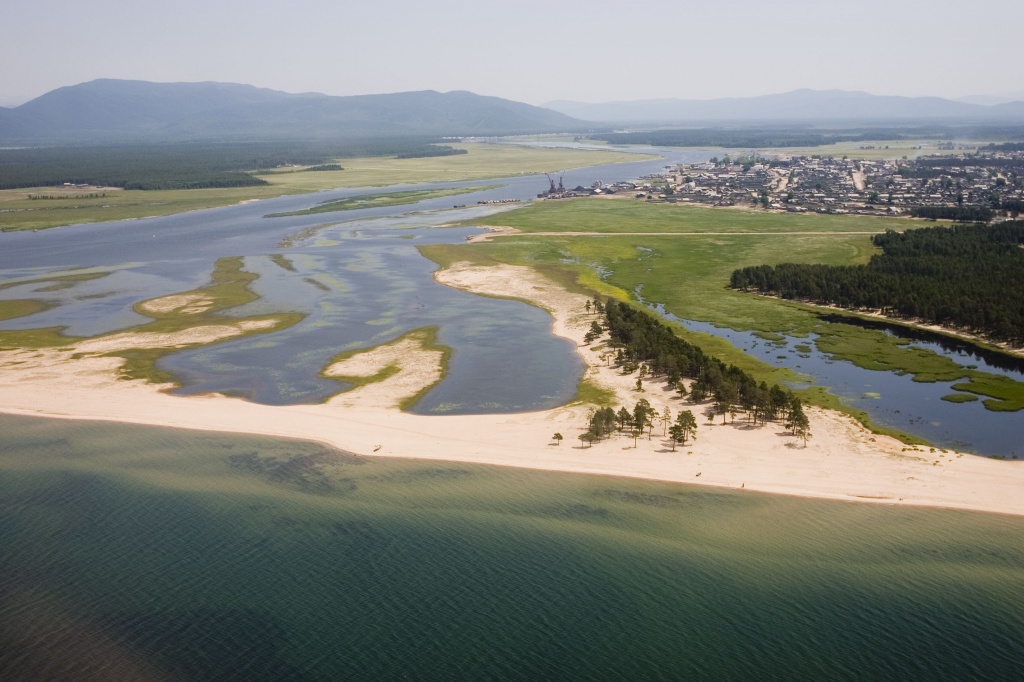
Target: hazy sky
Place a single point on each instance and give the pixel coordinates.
(531, 50)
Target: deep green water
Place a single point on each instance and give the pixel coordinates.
(145, 553)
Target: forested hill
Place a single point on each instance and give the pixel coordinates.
(139, 111)
(965, 276)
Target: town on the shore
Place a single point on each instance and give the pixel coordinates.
(984, 185)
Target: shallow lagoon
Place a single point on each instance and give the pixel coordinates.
(356, 275)
(199, 556)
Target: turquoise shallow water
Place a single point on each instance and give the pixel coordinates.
(144, 553)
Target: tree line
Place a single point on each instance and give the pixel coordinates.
(798, 135)
(431, 150)
(964, 276)
(962, 214)
(189, 165)
(713, 137)
(645, 345)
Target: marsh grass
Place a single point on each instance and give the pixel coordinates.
(1004, 394)
(960, 398)
(22, 307)
(618, 215)
(54, 282)
(589, 393)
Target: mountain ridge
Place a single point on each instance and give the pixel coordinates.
(107, 110)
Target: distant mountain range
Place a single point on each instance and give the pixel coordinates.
(118, 110)
(987, 100)
(818, 106)
(105, 110)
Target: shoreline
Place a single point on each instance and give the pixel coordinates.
(842, 461)
(918, 324)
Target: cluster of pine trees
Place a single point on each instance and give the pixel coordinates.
(643, 343)
(965, 276)
(606, 421)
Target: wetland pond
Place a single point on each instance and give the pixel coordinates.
(893, 399)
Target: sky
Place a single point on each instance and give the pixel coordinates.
(531, 50)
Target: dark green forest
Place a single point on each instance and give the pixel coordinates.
(430, 150)
(188, 166)
(965, 276)
(963, 214)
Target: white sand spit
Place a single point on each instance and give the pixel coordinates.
(841, 461)
(186, 337)
(416, 368)
(189, 304)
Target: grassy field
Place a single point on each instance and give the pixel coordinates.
(882, 149)
(19, 212)
(482, 162)
(382, 200)
(615, 215)
(689, 273)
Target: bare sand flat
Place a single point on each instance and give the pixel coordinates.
(841, 461)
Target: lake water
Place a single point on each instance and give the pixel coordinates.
(144, 553)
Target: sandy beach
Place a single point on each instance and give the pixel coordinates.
(842, 460)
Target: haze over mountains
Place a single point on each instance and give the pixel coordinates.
(116, 110)
(820, 106)
(106, 110)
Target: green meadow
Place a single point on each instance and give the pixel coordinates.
(621, 214)
(18, 211)
(686, 267)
